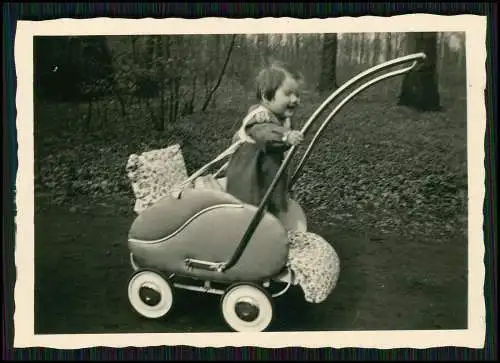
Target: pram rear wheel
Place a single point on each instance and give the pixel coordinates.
(150, 294)
(247, 308)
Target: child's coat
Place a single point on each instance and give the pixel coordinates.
(254, 165)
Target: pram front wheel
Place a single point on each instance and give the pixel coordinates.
(150, 294)
(247, 308)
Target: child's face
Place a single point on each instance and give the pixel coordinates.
(285, 99)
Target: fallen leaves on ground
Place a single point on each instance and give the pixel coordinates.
(378, 166)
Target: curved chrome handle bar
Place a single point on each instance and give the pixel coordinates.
(337, 109)
(418, 57)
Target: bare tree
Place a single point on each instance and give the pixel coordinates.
(376, 49)
(221, 75)
(420, 87)
(388, 44)
(328, 78)
(351, 45)
(361, 48)
(399, 42)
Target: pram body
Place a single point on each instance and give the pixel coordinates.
(207, 225)
(211, 238)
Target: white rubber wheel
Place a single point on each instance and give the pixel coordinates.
(247, 308)
(150, 294)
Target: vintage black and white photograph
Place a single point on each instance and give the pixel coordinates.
(273, 178)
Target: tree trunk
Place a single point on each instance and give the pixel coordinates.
(461, 52)
(218, 47)
(188, 107)
(221, 75)
(162, 49)
(133, 41)
(114, 84)
(296, 46)
(150, 51)
(217, 50)
(176, 89)
(399, 44)
(266, 51)
(122, 102)
(441, 45)
(395, 44)
(161, 121)
(171, 103)
(361, 48)
(388, 45)
(157, 123)
(89, 114)
(328, 78)
(353, 46)
(104, 119)
(420, 87)
(375, 49)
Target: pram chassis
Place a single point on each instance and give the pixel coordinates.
(239, 314)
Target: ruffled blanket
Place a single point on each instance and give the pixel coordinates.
(313, 261)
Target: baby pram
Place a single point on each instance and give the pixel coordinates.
(204, 239)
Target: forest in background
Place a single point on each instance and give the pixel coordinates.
(189, 73)
(395, 159)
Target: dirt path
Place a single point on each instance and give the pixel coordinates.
(389, 283)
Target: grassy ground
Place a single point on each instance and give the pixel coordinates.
(386, 186)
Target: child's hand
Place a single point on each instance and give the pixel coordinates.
(294, 137)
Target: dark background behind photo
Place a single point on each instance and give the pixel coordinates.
(46, 11)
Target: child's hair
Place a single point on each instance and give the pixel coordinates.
(270, 79)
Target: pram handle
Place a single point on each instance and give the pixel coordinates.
(414, 58)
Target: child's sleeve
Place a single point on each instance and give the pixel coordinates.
(268, 133)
